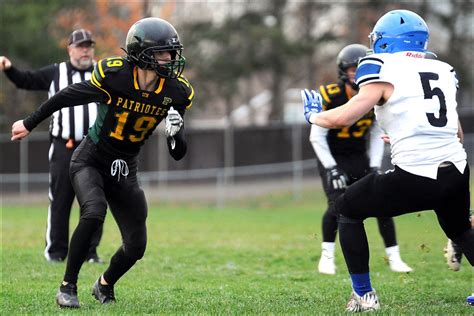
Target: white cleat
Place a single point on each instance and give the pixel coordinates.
(366, 303)
(399, 266)
(326, 265)
(453, 255)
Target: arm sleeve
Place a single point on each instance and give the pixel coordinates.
(318, 138)
(376, 146)
(76, 94)
(177, 145)
(368, 70)
(32, 79)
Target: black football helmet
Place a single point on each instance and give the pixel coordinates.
(151, 35)
(348, 57)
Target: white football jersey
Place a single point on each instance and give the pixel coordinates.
(420, 117)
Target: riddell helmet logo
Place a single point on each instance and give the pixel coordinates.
(415, 55)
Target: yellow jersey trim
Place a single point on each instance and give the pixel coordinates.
(324, 94)
(160, 86)
(95, 81)
(191, 95)
(135, 80)
(348, 92)
(101, 71)
(97, 85)
(183, 81)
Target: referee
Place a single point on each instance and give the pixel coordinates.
(67, 128)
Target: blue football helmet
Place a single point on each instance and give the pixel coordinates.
(398, 31)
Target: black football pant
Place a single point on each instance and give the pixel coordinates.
(400, 192)
(61, 196)
(96, 187)
(356, 167)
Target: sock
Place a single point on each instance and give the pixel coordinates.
(361, 283)
(393, 253)
(328, 248)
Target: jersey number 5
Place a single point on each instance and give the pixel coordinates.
(442, 120)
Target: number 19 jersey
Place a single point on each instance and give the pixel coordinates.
(420, 117)
(129, 115)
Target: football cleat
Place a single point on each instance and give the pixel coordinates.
(470, 299)
(399, 266)
(453, 255)
(366, 303)
(103, 293)
(67, 296)
(326, 264)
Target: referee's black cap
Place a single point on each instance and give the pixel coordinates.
(81, 36)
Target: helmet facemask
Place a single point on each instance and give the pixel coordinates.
(172, 68)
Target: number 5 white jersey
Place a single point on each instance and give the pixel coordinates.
(420, 117)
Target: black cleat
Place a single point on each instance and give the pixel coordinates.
(67, 296)
(103, 293)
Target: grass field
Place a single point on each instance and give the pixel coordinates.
(254, 257)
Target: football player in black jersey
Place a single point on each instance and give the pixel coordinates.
(344, 156)
(135, 93)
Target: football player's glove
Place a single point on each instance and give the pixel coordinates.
(336, 178)
(174, 122)
(312, 102)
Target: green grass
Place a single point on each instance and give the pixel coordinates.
(254, 257)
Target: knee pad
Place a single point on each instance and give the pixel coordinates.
(95, 209)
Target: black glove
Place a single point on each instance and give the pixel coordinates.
(336, 178)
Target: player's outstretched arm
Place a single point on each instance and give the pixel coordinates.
(76, 94)
(345, 115)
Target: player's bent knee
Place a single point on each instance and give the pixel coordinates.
(135, 252)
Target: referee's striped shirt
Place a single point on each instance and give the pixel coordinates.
(67, 123)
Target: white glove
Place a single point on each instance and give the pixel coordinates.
(174, 122)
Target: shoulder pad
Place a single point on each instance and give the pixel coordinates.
(188, 89)
(368, 69)
(107, 66)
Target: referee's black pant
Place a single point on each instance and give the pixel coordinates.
(61, 196)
